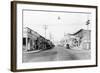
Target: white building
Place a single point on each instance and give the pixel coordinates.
(81, 39)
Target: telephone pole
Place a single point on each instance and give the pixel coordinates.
(88, 36)
(87, 23)
(45, 29)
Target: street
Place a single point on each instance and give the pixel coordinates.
(58, 53)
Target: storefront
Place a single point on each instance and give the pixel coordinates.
(80, 39)
(29, 37)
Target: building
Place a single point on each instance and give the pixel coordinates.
(29, 36)
(33, 41)
(81, 39)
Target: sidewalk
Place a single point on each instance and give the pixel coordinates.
(34, 51)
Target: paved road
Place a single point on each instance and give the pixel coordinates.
(56, 54)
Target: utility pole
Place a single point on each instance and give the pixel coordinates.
(45, 29)
(87, 23)
(88, 36)
(50, 36)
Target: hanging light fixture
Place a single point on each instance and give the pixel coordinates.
(59, 18)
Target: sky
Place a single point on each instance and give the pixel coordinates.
(58, 23)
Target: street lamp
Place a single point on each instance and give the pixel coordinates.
(59, 18)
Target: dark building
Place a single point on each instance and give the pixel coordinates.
(34, 41)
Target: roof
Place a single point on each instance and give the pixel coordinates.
(79, 31)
